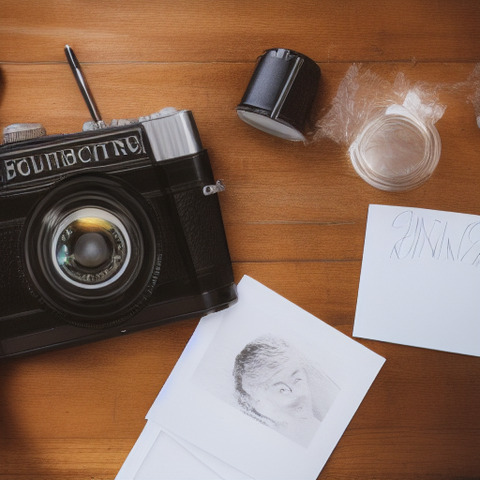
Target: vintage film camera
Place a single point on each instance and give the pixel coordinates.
(107, 231)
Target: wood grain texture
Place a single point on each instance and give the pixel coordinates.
(294, 214)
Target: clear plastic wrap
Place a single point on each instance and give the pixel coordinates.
(389, 129)
(475, 95)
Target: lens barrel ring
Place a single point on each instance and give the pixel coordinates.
(105, 303)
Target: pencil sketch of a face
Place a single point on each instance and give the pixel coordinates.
(278, 387)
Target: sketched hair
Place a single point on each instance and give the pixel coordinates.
(256, 363)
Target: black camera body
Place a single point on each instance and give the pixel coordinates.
(107, 231)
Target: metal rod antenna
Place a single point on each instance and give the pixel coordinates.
(82, 84)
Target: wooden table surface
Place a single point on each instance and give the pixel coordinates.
(294, 214)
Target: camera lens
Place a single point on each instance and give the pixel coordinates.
(92, 251)
(91, 248)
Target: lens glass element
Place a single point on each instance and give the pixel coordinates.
(91, 248)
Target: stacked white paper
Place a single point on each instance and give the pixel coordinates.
(263, 390)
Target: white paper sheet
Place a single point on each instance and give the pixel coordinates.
(138, 453)
(221, 469)
(161, 455)
(327, 376)
(157, 455)
(420, 279)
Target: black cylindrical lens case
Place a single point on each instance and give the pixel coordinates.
(280, 94)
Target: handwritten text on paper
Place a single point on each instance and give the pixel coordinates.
(423, 237)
